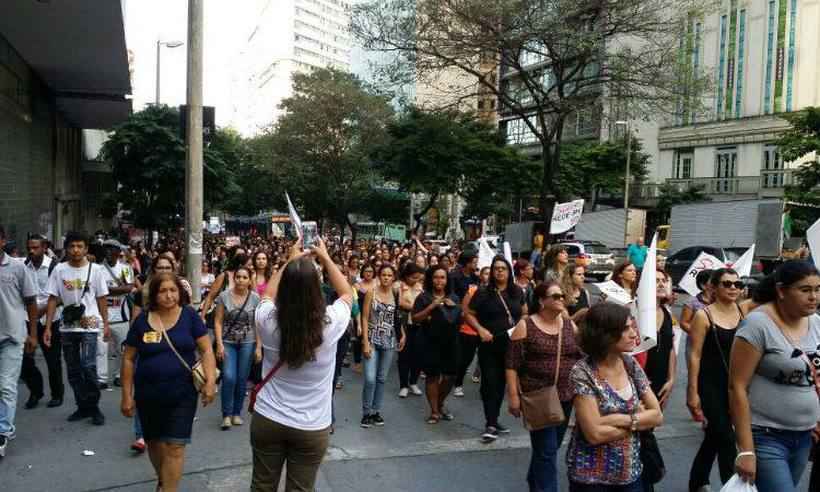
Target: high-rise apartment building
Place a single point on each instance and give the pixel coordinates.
(762, 55)
(285, 37)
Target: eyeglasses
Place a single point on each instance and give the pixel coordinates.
(738, 284)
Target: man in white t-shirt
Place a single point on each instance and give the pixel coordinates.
(120, 280)
(18, 298)
(81, 287)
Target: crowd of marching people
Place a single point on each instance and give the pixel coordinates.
(288, 317)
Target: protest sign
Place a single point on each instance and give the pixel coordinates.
(565, 216)
(704, 261)
(614, 293)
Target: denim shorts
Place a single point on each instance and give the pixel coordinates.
(167, 421)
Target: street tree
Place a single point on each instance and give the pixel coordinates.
(590, 168)
(147, 157)
(320, 149)
(447, 152)
(801, 140)
(620, 59)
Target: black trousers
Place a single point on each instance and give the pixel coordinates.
(409, 358)
(32, 377)
(469, 344)
(718, 442)
(493, 379)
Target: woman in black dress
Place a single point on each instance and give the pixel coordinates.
(437, 312)
(713, 333)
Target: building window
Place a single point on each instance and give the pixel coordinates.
(770, 30)
(772, 168)
(518, 132)
(725, 167)
(721, 65)
(696, 58)
(682, 168)
(741, 54)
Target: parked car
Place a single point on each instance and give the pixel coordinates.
(596, 257)
(679, 263)
(619, 254)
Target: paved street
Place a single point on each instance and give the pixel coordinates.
(405, 455)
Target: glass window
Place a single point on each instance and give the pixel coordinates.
(741, 53)
(721, 65)
(770, 33)
(682, 168)
(772, 167)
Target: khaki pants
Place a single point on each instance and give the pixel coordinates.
(274, 444)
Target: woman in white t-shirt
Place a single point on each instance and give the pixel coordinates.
(292, 413)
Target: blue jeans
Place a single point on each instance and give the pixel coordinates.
(11, 363)
(636, 486)
(236, 367)
(375, 374)
(781, 458)
(80, 351)
(542, 475)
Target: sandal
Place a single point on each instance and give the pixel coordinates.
(447, 416)
(433, 419)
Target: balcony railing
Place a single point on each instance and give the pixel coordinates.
(768, 184)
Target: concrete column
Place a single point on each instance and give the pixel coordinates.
(193, 154)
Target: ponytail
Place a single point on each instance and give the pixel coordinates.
(787, 274)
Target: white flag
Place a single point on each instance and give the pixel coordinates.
(485, 253)
(704, 261)
(743, 265)
(294, 217)
(813, 238)
(648, 301)
(508, 252)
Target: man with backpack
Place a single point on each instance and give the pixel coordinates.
(39, 266)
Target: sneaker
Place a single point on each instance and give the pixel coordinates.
(475, 379)
(97, 418)
(226, 423)
(55, 402)
(459, 391)
(414, 388)
(403, 393)
(377, 420)
(501, 429)
(340, 384)
(366, 422)
(33, 401)
(490, 434)
(3, 443)
(78, 414)
(237, 420)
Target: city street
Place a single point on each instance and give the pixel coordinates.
(405, 455)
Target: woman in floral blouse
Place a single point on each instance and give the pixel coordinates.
(609, 387)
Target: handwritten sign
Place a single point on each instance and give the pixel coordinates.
(704, 261)
(232, 241)
(614, 293)
(485, 253)
(565, 216)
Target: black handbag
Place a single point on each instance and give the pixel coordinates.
(73, 314)
(654, 468)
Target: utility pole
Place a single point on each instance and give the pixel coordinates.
(193, 152)
(628, 128)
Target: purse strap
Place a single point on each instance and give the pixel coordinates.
(506, 308)
(167, 338)
(269, 375)
(558, 353)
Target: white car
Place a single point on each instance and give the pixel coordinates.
(440, 246)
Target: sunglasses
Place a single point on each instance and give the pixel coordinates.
(557, 297)
(738, 284)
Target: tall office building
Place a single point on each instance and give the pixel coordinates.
(762, 55)
(285, 37)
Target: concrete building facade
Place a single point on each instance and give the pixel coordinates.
(285, 37)
(762, 55)
(51, 89)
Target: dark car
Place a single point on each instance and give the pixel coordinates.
(679, 263)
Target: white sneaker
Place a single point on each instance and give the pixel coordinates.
(415, 389)
(459, 391)
(403, 393)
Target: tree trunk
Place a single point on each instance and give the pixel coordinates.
(550, 156)
(424, 211)
(352, 229)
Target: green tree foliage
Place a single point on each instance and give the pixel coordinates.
(801, 140)
(147, 156)
(446, 152)
(591, 167)
(320, 149)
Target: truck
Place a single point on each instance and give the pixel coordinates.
(607, 226)
(729, 224)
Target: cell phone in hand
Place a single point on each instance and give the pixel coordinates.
(310, 233)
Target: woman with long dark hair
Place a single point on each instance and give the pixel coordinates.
(493, 311)
(437, 312)
(410, 287)
(773, 395)
(626, 275)
(712, 334)
(299, 332)
(382, 336)
(224, 281)
(262, 271)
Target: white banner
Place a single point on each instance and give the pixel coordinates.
(648, 301)
(743, 265)
(704, 261)
(813, 238)
(485, 253)
(294, 217)
(565, 216)
(508, 252)
(614, 293)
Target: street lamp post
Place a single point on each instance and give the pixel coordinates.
(160, 44)
(626, 179)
